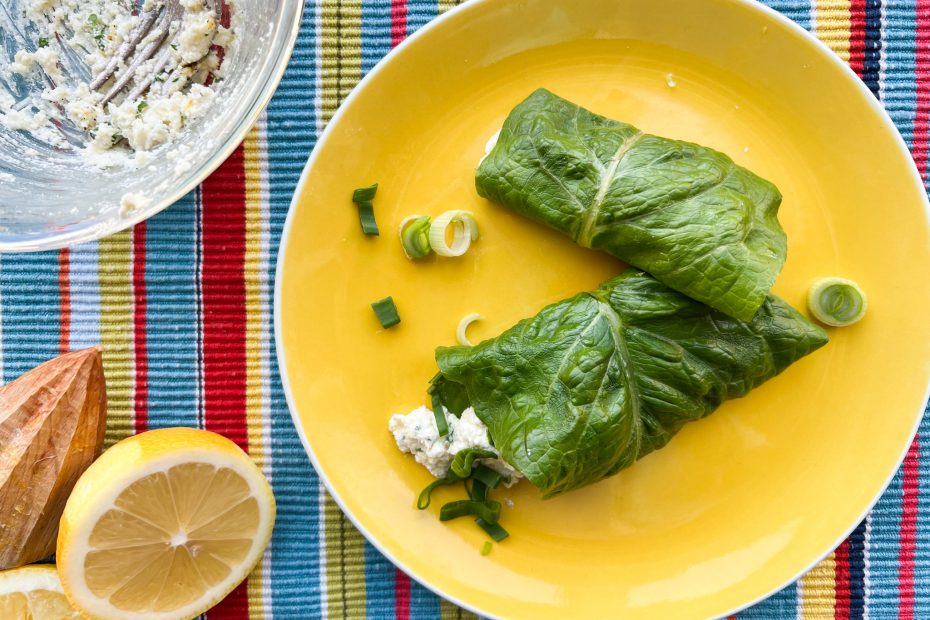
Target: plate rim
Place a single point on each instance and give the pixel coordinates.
(765, 12)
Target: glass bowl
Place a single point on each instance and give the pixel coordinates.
(52, 198)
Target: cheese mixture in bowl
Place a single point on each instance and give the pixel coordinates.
(78, 162)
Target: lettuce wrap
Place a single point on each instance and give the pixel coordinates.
(595, 382)
(684, 213)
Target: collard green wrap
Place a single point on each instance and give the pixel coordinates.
(593, 383)
(684, 213)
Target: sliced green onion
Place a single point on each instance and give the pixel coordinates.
(486, 547)
(386, 312)
(464, 461)
(837, 301)
(439, 413)
(425, 496)
(489, 511)
(460, 334)
(494, 530)
(366, 217)
(365, 194)
(489, 477)
(414, 236)
(478, 491)
(464, 231)
(43, 42)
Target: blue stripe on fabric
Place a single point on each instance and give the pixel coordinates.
(419, 14)
(884, 546)
(873, 44)
(85, 296)
(899, 55)
(857, 572)
(31, 311)
(295, 544)
(922, 551)
(799, 12)
(379, 585)
(376, 32)
(424, 605)
(171, 335)
(379, 572)
(898, 96)
(782, 604)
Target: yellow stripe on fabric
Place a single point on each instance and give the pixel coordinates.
(340, 51)
(832, 25)
(445, 5)
(448, 611)
(818, 591)
(345, 564)
(255, 336)
(116, 335)
(340, 70)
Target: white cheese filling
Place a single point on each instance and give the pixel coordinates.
(94, 30)
(416, 434)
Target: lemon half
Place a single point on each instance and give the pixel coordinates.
(163, 526)
(34, 592)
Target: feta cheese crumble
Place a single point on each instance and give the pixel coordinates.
(416, 434)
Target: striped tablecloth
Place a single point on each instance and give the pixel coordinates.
(182, 306)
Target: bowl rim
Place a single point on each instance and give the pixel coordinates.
(765, 12)
(99, 230)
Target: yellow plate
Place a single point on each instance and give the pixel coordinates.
(739, 504)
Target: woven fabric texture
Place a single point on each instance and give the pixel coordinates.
(182, 306)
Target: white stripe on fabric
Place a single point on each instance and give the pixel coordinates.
(198, 307)
(133, 382)
(264, 300)
(85, 296)
(2, 347)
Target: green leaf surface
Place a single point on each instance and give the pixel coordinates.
(593, 383)
(684, 213)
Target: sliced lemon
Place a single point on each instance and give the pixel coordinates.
(163, 526)
(34, 593)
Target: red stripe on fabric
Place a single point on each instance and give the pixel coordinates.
(922, 115)
(857, 36)
(64, 300)
(908, 533)
(140, 336)
(398, 21)
(841, 581)
(401, 595)
(224, 322)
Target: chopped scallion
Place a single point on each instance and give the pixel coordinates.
(365, 194)
(837, 302)
(494, 530)
(366, 217)
(464, 231)
(414, 236)
(460, 331)
(464, 460)
(486, 547)
(478, 491)
(386, 312)
(43, 42)
(490, 477)
(439, 413)
(425, 496)
(488, 511)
